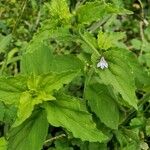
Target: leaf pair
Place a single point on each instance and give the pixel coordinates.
(26, 92)
(67, 112)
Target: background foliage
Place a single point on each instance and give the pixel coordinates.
(54, 93)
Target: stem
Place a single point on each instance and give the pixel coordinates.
(55, 138)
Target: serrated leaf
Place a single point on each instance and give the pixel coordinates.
(26, 106)
(60, 9)
(4, 42)
(54, 81)
(107, 40)
(40, 88)
(11, 88)
(71, 113)
(112, 8)
(85, 12)
(119, 74)
(99, 9)
(103, 104)
(30, 135)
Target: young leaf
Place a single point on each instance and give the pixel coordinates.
(30, 135)
(71, 113)
(40, 89)
(59, 9)
(108, 40)
(119, 74)
(103, 104)
(26, 106)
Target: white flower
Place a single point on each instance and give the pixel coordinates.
(102, 63)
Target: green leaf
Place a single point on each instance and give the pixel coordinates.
(30, 135)
(62, 63)
(4, 42)
(26, 92)
(40, 89)
(71, 113)
(37, 61)
(59, 9)
(48, 63)
(136, 43)
(103, 104)
(85, 12)
(99, 9)
(107, 40)
(11, 88)
(26, 106)
(3, 144)
(119, 74)
(127, 139)
(138, 70)
(10, 114)
(54, 81)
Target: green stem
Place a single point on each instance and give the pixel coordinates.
(55, 138)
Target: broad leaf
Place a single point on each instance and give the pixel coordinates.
(40, 88)
(11, 88)
(26, 106)
(62, 63)
(30, 135)
(54, 81)
(48, 62)
(99, 9)
(119, 74)
(103, 104)
(71, 114)
(38, 61)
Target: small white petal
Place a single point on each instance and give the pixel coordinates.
(102, 63)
